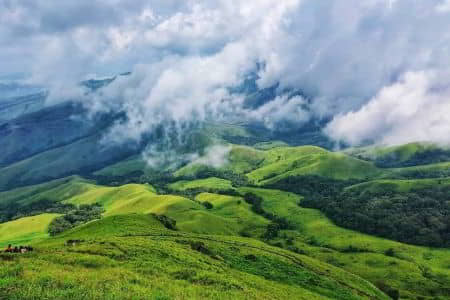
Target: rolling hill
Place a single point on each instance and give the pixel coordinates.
(162, 264)
(412, 271)
(274, 220)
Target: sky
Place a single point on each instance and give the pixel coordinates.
(378, 70)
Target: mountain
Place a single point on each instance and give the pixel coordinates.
(269, 215)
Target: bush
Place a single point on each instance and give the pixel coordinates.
(390, 252)
(169, 223)
(391, 292)
(208, 205)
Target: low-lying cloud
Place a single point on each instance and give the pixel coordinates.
(377, 69)
(414, 109)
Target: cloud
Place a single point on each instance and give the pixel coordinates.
(344, 56)
(215, 156)
(414, 109)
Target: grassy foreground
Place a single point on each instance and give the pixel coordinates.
(130, 255)
(134, 257)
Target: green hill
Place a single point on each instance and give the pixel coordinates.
(285, 161)
(235, 210)
(24, 230)
(438, 170)
(162, 264)
(411, 154)
(411, 270)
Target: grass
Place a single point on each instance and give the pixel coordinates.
(133, 257)
(402, 152)
(414, 271)
(58, 162)
(399, 185)
(240, 160)
(212, 183)
(307, 160)
(24, 230)
(238, 213)
(127, 166)
(430, 171)
(56, 190)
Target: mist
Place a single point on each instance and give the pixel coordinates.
(376, 69)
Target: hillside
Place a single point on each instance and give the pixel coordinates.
(407, 155)
(162, 264)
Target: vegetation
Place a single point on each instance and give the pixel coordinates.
(365, 255)
(412, 212)
(25, 230)
(413, 154)
(278, 223)
(82, 214)
(131, 256)
(163, 235)
(14, 211)
(418, 216)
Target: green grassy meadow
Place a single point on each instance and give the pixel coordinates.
(133, 257)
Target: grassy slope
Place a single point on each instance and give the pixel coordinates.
(236, 211)
(276, 163)
(401, 154)
(136, 198)
(241, 159)
(318, 237)
(399, 185)
(212, 183)
(431, 170)
(133, 257)
(82, 155)
(25, 230)
(56, 190)
(127, 166)
(308, 160)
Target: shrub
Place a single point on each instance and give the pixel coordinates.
(169, 223)
(208, 205)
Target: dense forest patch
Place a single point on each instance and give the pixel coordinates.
(418, 216)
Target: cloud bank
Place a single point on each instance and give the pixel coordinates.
(378, 69)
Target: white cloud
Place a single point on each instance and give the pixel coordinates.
(186, 54)
(417, 108)
(215, 156)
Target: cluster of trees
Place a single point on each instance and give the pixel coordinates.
(169, 223)
(420, 216)
(77, 216)
(12, 211)
(277, 223)
(312, 187)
